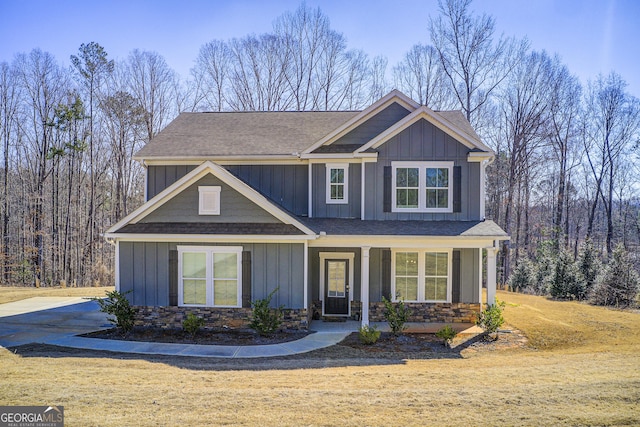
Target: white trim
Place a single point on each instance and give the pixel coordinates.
(364, 283)
(232, 160)
(345, 183)
(337, 255)
(433, 118)
(342, 157)
(192, 177)
(213, 194)
(395, 96)
(244, 238)
(209, 251)
(117, 266)
(310, 201)
(417, 242)
(362, 189)
(305, 280)
(477, 156)
(422, 188)
(421, 272)
(480, 274)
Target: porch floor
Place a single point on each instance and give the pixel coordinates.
(415, 327)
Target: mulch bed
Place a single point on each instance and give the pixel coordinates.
(233, 337)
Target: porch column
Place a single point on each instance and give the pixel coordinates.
(364, 283)
(491, 275)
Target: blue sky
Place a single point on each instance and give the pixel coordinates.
(591, 36)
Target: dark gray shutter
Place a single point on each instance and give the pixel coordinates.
(386, 189)
(386, 273)
(246, 279)
(457, 188)
(173, 277)
(455, 277)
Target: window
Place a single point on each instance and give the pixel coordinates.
(210, 276)
(422, 187)
(337, 183)
(209, 200)
(421, 276)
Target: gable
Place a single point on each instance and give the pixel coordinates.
(423, 141)
(366, 131)
(234, 207)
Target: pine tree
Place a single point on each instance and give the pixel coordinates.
(618, 285)
(588, 266)
(564, 282)
(523, 277)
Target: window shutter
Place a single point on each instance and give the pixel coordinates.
(457, 188)
(386, 274)
(386, 196)
(455, 277)
(173, 277)
(246, 279)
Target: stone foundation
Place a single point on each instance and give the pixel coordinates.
(215, 318)
(431, 312)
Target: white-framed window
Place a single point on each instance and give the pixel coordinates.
(210, 276)
(209, 200)
(421, 275)
(337, 183)
(422, 186)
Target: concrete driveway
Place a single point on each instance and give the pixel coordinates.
(47, 319)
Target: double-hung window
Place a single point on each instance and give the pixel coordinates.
(210, 276)
(422, 276)
(422, 187)
(337, 186)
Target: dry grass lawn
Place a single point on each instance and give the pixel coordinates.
(10, 293)
(583, 369)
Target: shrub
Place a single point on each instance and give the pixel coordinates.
(264, 319)
(192, 324)
(117, 305)
(619, 283)
(490, 319)
(396, 315)
(447, 334)
(368, 334)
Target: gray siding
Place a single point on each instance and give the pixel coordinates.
(374, 126)
(160, 177)
(286, 185)
(144, 268)
(234, 207)
(422, 141)
(320, 207)
(375, 274)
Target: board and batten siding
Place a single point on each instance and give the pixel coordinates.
(322, 209)
(144, 269)
(423, 141)
(234, 207)
(374, 126)
(160, 177)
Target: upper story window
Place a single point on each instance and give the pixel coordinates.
(337, 183)
(209, 200)
(422, 187)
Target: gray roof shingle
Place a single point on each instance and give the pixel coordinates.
(210, 228)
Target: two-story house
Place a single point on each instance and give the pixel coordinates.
(333, 209)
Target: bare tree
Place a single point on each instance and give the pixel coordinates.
(473, 62)
(211, 76)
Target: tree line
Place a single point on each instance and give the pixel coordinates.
(564, 171)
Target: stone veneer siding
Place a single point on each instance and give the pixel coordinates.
(215, 317)
(431, 312)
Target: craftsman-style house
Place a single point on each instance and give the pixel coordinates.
(333, 209)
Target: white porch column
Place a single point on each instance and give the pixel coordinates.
(491, 275)
(364, 283)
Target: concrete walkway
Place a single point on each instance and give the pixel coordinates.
(59, 321)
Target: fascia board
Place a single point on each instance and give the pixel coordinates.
(228, 238)
(393, 96)
(427, 114)
(194, 176)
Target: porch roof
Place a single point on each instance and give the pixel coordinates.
(210, 228)
(351, 227)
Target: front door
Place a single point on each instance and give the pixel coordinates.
(336, 287)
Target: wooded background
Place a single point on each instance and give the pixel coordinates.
(564, 171)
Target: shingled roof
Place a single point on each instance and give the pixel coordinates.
(199, 135)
